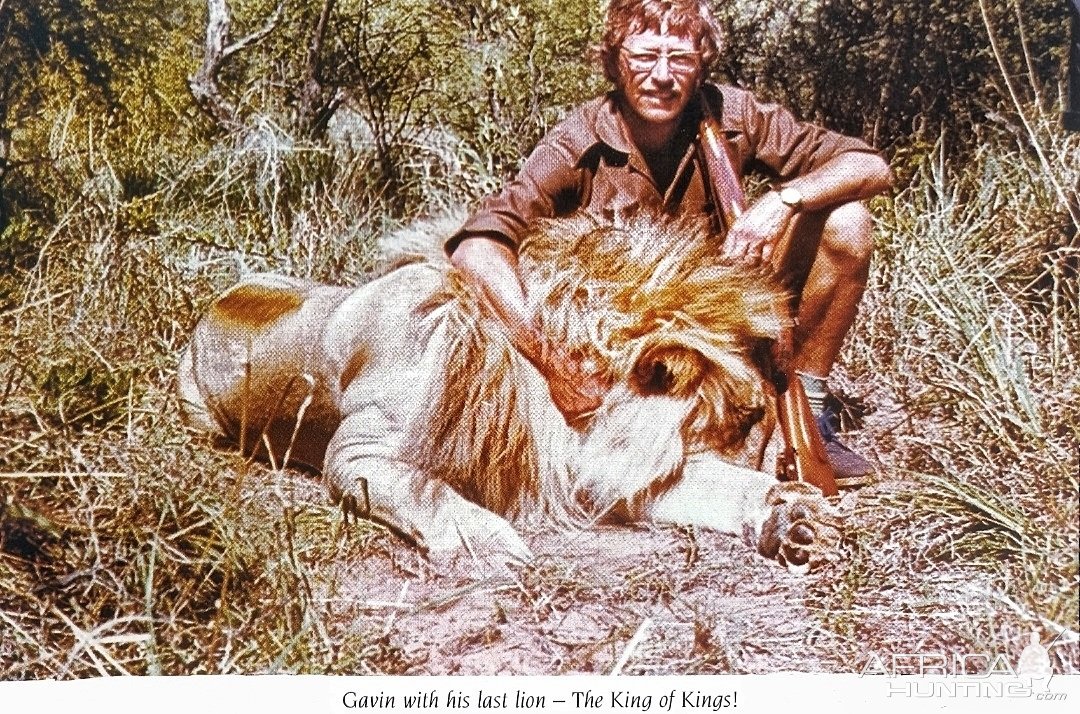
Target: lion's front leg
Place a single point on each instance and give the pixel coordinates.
(362, 467)
(792, 523)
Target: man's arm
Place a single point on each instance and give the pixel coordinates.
(850, 176)
(492, 269)
(484, 250)
(827, 168)
(549, 184)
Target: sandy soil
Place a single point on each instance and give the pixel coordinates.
(637, 599)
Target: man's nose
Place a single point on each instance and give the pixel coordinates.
(662, 71)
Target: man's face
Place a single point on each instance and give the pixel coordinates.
(659, 74)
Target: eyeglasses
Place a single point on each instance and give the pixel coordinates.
(646, 60)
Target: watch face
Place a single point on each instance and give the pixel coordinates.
(791, 196)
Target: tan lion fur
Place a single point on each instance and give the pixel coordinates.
(251, 374)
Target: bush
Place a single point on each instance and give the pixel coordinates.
(913, 71)
(981, 371)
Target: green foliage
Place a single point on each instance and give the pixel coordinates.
(517, 68)
(390, 58)
(66, 46)
(18, 252)
(93, 37)
(983, 367)
(893, 73)
(172, 565)
(79, 390)
(481, 78)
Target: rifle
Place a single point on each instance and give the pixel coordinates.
(803, 457)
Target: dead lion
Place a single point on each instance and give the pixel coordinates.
(423, 417)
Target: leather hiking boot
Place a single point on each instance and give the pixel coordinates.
(851, 469)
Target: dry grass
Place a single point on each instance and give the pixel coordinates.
(153, 554)
(969, 354)
(127, 547)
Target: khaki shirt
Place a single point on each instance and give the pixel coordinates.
(589, 162)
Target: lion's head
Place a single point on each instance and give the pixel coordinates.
(676, 328)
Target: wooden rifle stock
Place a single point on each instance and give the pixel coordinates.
(804, 457)
(728, 196)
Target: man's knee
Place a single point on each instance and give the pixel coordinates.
(849, 233)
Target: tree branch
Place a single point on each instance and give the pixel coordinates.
(217, 49)
(318, 37)
(255, 37)
(1014, 94)
(315, 107)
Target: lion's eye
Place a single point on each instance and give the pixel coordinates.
(653, 377)
(671, 370)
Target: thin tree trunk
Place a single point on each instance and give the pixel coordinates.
(316, 105)
(217, 50)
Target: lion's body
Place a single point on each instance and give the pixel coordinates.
(421, 415)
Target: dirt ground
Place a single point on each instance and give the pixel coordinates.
(646, 600)
(634, 599)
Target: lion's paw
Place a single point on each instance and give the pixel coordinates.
(483, 542)
(801, 528)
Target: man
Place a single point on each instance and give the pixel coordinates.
(635, 149)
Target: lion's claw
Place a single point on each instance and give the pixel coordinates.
(802, 533)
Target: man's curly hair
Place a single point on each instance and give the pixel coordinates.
(693, 18)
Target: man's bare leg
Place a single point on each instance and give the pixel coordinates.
(831, 293)
(830, 262)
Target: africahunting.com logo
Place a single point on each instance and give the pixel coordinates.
(981, 675)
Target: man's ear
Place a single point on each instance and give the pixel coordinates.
(609, 60)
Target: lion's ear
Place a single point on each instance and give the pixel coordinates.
(670, 370)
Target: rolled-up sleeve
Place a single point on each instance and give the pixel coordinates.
(788, 146)
(548, 184)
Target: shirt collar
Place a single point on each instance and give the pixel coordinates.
(610, 127)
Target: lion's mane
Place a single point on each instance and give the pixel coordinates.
(651, 303)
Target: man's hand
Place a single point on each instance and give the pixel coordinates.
(577, 386)
(755, 233)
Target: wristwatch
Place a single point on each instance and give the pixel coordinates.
(791, 196)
